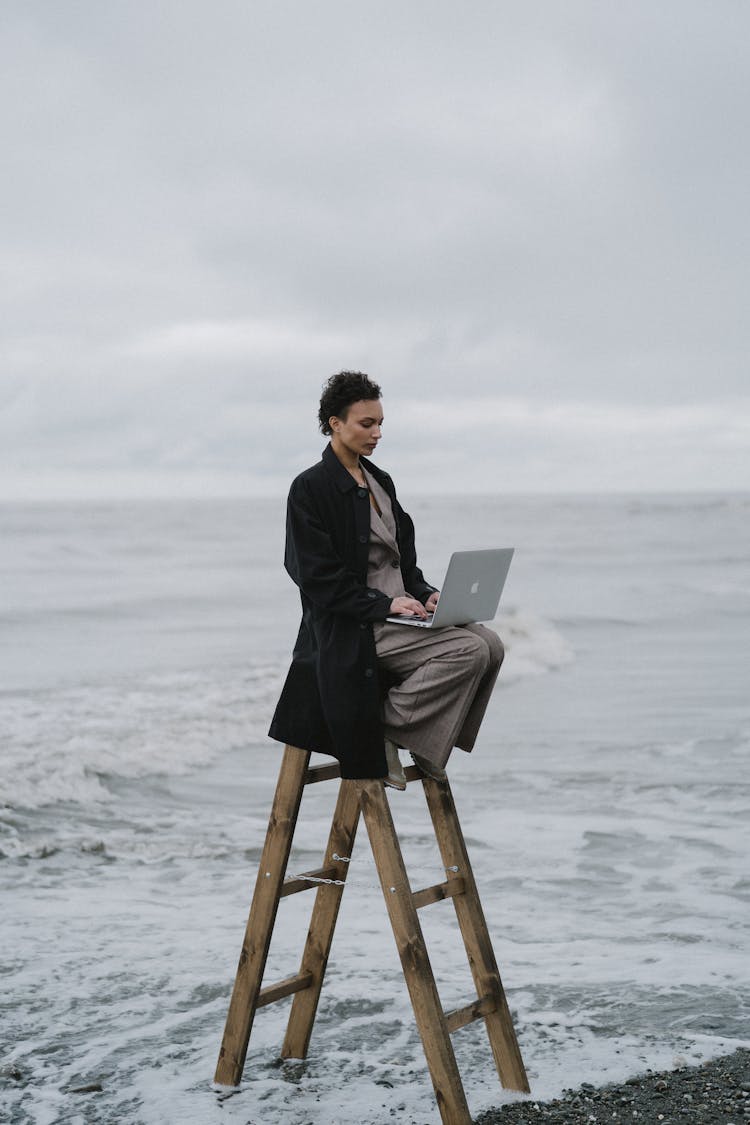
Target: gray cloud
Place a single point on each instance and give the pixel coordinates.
(515, 213)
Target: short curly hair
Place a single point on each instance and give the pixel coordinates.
(340, 391)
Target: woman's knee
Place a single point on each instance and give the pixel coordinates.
(473, 652)
(479, 653)
(494, 646)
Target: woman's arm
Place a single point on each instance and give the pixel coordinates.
(313, 563)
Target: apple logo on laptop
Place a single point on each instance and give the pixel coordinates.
(475, 587)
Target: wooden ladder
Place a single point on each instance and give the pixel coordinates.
(435, 1026)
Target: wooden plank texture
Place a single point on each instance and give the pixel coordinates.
(322, 924)
(293, 884)
(283, 988)
(476, 936)
(262, 916)
(428, 1012)
(322, 773)
(435, 1026)
(438, 893)
(460, 1017)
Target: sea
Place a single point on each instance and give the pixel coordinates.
(605, 807)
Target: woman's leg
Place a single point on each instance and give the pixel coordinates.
(445, 680)
(468, 734)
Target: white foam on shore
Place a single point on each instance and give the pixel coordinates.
(604, 808)
(63, 745)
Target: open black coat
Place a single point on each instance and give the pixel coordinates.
(331, 700)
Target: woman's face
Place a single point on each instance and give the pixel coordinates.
(359, 432)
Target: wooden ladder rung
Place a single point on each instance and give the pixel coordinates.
(321, 773)
(460, 1017)
(282, 988)
(295, 883)
(439, 892)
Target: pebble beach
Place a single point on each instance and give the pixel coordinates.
(716, 1093)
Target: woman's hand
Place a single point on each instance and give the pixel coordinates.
(408, 606)
(431, 603)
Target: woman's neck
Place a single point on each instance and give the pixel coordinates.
(350, 461)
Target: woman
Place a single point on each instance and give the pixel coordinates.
(359, 686)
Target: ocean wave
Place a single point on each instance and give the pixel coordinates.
(68, 744)
(533, 645)
(72, 744)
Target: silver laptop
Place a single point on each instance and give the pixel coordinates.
(471, 592)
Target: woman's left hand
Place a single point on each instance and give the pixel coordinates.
(431, 603)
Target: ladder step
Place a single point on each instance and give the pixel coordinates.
(295, 883)
(321, 773)
(439, 892)
(327, 773)
(460, 1017)
(283, 988)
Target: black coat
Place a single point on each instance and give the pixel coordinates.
(331, 700)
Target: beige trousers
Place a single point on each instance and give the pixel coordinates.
(446, 680)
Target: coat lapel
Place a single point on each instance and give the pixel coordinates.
(384, 527)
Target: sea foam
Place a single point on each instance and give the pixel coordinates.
(65, 744)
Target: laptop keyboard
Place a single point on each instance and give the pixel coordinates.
(407, 619)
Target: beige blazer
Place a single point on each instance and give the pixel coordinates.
(384, 561)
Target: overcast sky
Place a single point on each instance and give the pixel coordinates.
(527, 221)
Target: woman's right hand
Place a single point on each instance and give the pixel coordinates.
(408, 606)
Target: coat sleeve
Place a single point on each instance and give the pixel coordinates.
(312, 562)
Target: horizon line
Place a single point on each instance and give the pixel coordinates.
(208, 497)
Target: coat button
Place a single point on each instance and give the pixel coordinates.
(363, 538)
(371, 594)
(368, 672)
(395, 564)
(361, 492)
(363, 625)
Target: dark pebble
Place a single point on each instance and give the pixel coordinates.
(712, 1094)
(13, 1072)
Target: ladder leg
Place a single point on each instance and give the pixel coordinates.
(260, 923)
(476, 936)
(428, 1011)
(322, 925)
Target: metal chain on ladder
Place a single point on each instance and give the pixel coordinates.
(329, 882)
(340, 882)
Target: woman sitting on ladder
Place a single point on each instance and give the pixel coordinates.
(359, 687)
